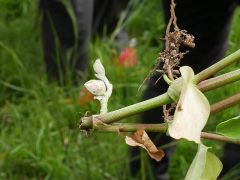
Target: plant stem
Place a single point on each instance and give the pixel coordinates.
(165, 98)
(131, 127)
(219, 138)
(86, 122)
(219, 81)
(225, 104)
(216, 67)
(166, 79)
(128, 127)
(135, 109)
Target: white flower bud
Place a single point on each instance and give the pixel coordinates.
(133, 42)
(98, 67)
(96, 87)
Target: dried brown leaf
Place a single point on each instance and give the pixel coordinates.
(140, 138)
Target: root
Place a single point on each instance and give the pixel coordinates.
(166, 113)
(171, 55)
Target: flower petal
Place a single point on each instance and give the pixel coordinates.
(96, 87)
(98, 67)
(192, 110)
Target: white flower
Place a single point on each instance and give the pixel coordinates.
(192, 110)
(98, 67)
(96, 87)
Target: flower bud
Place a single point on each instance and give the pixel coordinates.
(98, 67)
(96, 87)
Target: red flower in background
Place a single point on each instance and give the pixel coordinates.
(84, 97)
(128, 56)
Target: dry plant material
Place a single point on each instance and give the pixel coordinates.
(166, 113)
(140, 138)
(171, 55)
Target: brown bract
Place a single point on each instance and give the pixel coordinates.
(140, 138)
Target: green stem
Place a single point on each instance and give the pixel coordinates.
(165, 98)
(135, 109)
(216, 67)
(166, 79)
(219, 81)
(86, 122)
(131, 127)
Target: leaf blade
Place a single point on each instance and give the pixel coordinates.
(212, 168)
(197, 167)
(230, 128)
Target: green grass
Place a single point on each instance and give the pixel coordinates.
(39, 136)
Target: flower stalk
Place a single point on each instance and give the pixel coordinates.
(225, 104)
(135, 109)
(86, 122)
(216, 67)
(219, 138)
(219, 81)
(165, 98)
(131, 127)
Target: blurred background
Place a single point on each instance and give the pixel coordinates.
(39, 135)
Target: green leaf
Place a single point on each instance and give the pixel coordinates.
(230, 128)
(205, 166)
(212, 168)
(197, 167)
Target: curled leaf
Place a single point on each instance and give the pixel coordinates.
(140, 138)
(192, 110)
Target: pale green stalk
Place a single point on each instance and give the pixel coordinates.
(217, 67)
(165, 98)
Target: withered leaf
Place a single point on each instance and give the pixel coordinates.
(140, 138)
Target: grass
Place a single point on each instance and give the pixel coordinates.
(39, 138)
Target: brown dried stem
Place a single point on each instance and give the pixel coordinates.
(225, 104)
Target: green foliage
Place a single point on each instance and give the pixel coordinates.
(12, 9)
(197, 167)
(213, 167)
(205, 166)
(230, 128)
(39, 136)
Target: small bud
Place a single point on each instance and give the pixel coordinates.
(96, 87)
(133, 42)
(98, 67)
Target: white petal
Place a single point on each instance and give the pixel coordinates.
(192, 110)
(100, 76)
(96, 87)
(98, 67)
